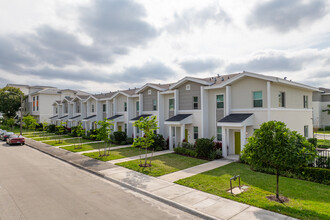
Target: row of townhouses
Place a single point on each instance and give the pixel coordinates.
(227, 107)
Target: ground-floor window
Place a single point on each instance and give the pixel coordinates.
(126, 128)
(306, 131)
(219, 133)
(195, 132)
(137, 130)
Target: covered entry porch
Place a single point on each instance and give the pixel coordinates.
(174, 123)
(136, 131)
(117, 121)
(234, 132)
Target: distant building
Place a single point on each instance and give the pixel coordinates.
(321, 100)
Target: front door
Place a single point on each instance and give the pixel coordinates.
(119, 128)
(186, 134)
(237, 142)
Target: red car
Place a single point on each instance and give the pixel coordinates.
(16, 139)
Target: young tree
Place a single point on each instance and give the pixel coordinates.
(60, 130)
(44, 126)
(79, 130)
(10, 123)
(29, 122)
(275, 146)
(147, 126)
(10, 100)
(103, 134)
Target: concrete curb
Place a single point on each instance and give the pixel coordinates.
(143, 192)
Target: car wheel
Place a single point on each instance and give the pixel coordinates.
(22, 144)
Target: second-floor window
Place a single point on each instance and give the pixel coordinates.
(137, 106)
(171, 104)
(56, 110)
(257, 99)
(195, 132)
(34, 103)
(104, 107)
(154, 104)
(305, 101)
(93, 108)
(188, 87)
(37, 103)
(66, 108)
(125, 106)
(281, 99)
(78, 107)
(195, 102)
(220, 101)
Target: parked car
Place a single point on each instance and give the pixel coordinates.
(2, 132)
(6, 135)
(16, 139)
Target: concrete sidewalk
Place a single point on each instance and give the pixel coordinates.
(203, 205)
(96, 150)
(181, 174)
(157, 153)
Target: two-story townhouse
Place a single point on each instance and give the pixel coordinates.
(321, 100)
(79, 110)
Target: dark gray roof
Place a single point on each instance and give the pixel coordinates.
(325, 90)
(89, 117)
(114, 117)
(55, 116)
(236, 118)
(178, 117)
(138, 117)
(77, 116)
(63, 117)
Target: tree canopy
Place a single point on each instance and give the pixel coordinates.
(277, 147)
(10, 100)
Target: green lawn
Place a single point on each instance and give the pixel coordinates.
(164, 164)
(308, 200)
(16, 129)
(66, 142)
(117, 154)
(323, 142)
(86, 147)
(49, 137)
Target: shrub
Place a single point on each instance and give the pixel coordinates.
(218, 145)
(159, 143)
(218, 153)
(312, 141)
(122, 142)
(188, 145)
(119, 136)
(129, 140)
(39, 127)
(204, 147)
(184, 151)
(323, 146)
(74, 131)
(51, 128)
(320, 175)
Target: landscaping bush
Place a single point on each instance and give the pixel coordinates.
(185, 151)
(39, 127)
(323, 146)
(319, 175)
(205, 148)
(218, 153)
(91, 134)
(312, 141)
(51, 128)
(188, 145)
(129, 140)
(159, 143)
(119, 137)
(73, 131)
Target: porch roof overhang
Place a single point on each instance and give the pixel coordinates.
(117, 118)
(236, 120)
(90, 118)
(53, 117)
(180, 119)
(77, 117)
(61, 118)
(138, 117)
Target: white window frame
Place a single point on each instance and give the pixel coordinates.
(154, 104)
(219, 134)
(305, 100)
(281, 99)
(195, 102)
(169, 104)
(188, 87)
(262, 101)
(306, 133)
(223, 100)
(149, 91)
(93, 108)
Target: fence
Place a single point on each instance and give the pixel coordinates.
(323, 159)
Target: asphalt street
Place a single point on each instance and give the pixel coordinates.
(36, 186)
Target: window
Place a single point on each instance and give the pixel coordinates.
(93, 108)
(219, 133)
(257, 99)
(195, 102)
(34, 103)
(305, 101)
(195, 132)
(126, 128)
(137, 106)
(281, 99)
(56, 110)
(125, 106)
(37, 103)
(306, 131)
(219, 101)
(78, 107)
(66, 108)
(149, 92)
(137, 130)
(188, 87)
(171, 104)
(154, 104)
(104, 107)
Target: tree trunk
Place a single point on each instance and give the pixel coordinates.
(145, 159)
(277, 178)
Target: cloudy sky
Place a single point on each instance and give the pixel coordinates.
(105, 45)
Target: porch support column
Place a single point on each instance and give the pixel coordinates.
(134, 132)
(115, 126)
(268, 101)
(182, 132)
(243, 137)
(170, 137)
(224, 142)
(228, 100)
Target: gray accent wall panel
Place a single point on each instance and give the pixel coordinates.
(317, 97)
(186, 96)
(170, 114)
(147, 99)
(220, 113)
(326, 98)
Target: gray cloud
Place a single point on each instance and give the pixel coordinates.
(269, 62)
(119, 22)
(284, 15)
(200, 65)
(322, 74)
(192, 18)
